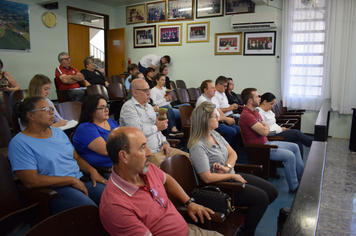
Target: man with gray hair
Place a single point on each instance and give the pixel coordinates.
(68, 78)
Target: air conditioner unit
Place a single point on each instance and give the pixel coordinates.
(254, 21)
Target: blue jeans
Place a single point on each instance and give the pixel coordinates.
(230, 132)
(295, 136)
(172, 115)
(141, 68)
(293, 164)
(69, 197)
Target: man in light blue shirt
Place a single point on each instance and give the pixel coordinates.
(132, 69)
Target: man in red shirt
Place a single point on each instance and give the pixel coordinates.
(68, 78)
(135, 201)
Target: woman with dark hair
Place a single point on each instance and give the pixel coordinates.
(43, 156)
(149, 74)
(7, 83)
(93, 130)
(214, 160)
(164, 70)
(230, 94)
(290, 135)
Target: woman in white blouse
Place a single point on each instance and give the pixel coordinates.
(290, 135)
(163, 100)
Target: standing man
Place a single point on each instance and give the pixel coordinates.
(152, 60)
(68, 77)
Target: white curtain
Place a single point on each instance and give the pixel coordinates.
(303, 54)
(342, 59)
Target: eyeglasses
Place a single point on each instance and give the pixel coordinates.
(215, 117)
(144, 90)
(231, 83)
(48, 109)
(225, 86)
(68, 58)
(103, 107)
(158, 199)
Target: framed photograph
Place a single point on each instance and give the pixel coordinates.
(145, 36)
(156, 12)
(135, 14)
(239, 7)
(198, 32)
(228, 43)
(170, 35)
(209, 8)
(260, 43)
(180, 10)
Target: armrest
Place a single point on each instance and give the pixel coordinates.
(247, 168)
(217, 217)
(293, 113)
(173, 142)
(227, 185)
(289, 116)
(301, 110)
(275, 138)
(44, 193)
(261, 146)
(103, 169)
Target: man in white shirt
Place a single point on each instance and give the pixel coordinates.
(152, 60)
(227, 125)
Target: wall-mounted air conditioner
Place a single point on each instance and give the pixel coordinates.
(254, 21)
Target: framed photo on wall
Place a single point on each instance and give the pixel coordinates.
(135, 14)
(156, 12)
(170, 35)
(228, 43)
(209, 8)
(260, 43)
(198, 32)
(144, 36)
(239, 7)
(180, 10)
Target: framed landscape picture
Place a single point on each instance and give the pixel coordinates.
(180, 10)
(260, 43)
(156, 11)
(239, 7)
(228, 43)
(170, 35)
(135, 14)
(209, 8)
(145, 36)
(198, 32)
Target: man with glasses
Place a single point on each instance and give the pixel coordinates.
(137, 112)
(68, 78)
(135, 200)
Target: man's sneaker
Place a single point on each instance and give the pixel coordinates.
(176, 134)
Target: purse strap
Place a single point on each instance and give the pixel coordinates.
(195, 176)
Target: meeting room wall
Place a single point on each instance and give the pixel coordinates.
(46, 43)
(195, 62)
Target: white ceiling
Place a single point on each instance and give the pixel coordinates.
(118, 3)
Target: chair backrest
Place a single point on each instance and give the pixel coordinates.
(181, 84)
(116, 91)
(5, 132)
(181, 169)
(5, 107)
(182, 95)
(18, 95)
(98, 89)
(69, 110)
(173, 95)
(173, 85)
(15, 124)
(62, 95)
(117, 79)
(82, 220)
(185, 114)
(193, 94)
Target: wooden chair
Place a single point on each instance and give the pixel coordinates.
(289, 121)
(69, 110)
(284, 110)
(14, 212)
(6, 107)
(193, 94)
(184, 97)
(173, 85)
(180, 168)
(5, 135)
(98, 89)
(117, 79)
(15, 124)
(18, 95)
(117, 96)
(185, 114)
(82, 220)
(181, 84)
(62, 95)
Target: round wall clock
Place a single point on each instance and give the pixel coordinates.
(49, 19)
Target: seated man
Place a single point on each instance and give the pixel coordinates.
(69, 78)
(137, 112)
(92, 75)
(255, 130)
(132, 69)
(230, 129)
(135, 201)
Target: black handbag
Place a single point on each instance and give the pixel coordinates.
(213, 198)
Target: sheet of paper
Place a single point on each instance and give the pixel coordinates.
(70, 124)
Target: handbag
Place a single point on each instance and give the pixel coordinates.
(213, 198)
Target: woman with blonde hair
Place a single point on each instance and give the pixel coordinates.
(214, 160)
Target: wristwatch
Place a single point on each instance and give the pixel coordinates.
(189, 201)
(228, 165)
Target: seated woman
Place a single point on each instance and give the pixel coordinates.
(92, 75)
(7, 83)
(159, 97)
(214, 160)
(163, 69)
(149, 74)
(40, 85)
(93, 130)
(42, 156)
(231, 95)
(291, 135)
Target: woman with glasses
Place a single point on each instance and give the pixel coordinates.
(93, 130)
(290, 135)
(231, 95)
(214, 160)
(43, 156)
(40, 85)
